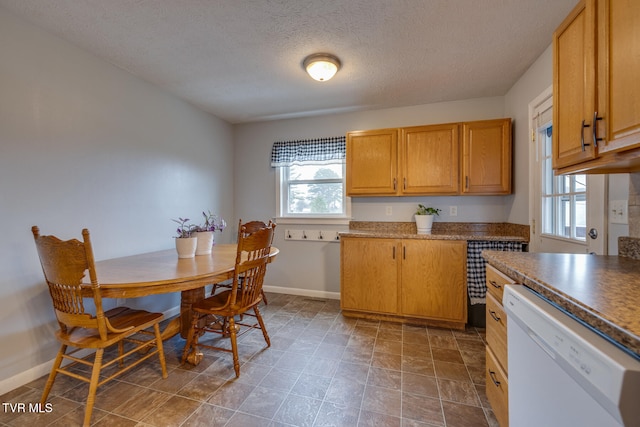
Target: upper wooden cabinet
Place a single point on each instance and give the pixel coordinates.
(429, 159)
(372, 162)
(596, 116)
(426, 160)
(486, 157)
(618, 71)
(574, 95)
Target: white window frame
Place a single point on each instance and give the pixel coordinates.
(551, 202)
(282, 191)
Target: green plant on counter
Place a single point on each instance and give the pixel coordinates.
(422, 210)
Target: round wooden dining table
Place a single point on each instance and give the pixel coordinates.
(163, 272)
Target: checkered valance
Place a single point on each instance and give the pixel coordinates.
(476, 266)
(318, 150)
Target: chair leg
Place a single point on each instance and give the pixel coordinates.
(93, 386)
(52, 375)
(261, 322)
(234, 345)
(120, 353)
(159, 345)
(264, 297)
(192, 338)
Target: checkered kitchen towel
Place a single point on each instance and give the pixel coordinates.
(476, 266)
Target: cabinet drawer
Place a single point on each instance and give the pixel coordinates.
(496, 281)
(497, 331)
(497, 390)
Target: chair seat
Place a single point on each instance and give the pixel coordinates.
(120, 318)
(217, 302)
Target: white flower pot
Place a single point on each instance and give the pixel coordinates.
(186, 246)
(205, 242)
(424, 223)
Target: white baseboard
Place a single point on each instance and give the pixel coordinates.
(44, 368)
(302, 292)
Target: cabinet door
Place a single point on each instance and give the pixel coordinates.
(429, 159)
(618, 71)
(369, 275)
(574, 91)
(372, 162)
(486, 157)
(434, 279)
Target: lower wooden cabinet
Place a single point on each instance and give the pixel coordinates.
(405, 280)
(369, 275)
(497, 383)
(497, 389)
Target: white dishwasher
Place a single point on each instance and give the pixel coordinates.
(562, 373)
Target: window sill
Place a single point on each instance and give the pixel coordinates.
(312, 220)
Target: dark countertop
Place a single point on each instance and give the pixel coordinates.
(602, 291)
(441, 235)
(441, 231)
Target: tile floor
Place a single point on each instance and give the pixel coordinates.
(322, 369)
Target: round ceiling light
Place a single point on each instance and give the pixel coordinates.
(321, 66)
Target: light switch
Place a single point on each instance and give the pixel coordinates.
(618, 212)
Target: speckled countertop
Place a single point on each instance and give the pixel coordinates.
(603, 291)
(440, 231)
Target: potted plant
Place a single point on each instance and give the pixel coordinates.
(424, 218)
(204, 232)
(185, 240)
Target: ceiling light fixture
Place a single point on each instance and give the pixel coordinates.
(321, 66)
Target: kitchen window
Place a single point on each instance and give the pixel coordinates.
(564, 198)
(567, 212)
(311, 181)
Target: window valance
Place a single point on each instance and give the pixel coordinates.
(308, 150)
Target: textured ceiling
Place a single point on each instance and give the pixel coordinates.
(241, 59)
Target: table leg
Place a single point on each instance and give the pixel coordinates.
(186, 300)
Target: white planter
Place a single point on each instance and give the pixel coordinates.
(205, 242)
(186, 246)
(424, 223)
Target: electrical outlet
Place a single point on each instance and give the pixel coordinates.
(388, 210)
(453, 211)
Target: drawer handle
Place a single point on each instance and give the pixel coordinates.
(493, 378)
(493, 314)
(494, 284)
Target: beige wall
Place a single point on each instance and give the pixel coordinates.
(314, 267)
(86, 144)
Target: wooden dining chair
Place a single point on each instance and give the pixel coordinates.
(250, 227)
(252, 257)
(64, 264)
